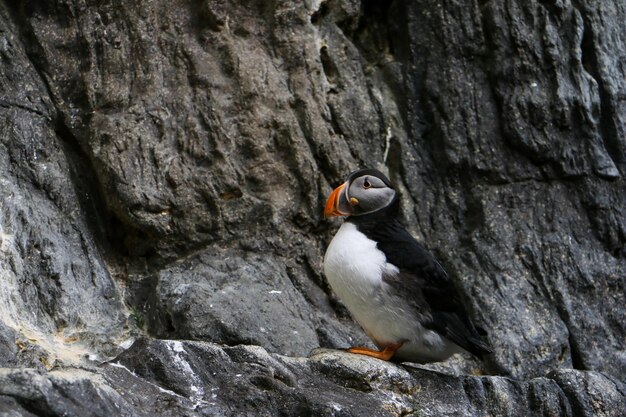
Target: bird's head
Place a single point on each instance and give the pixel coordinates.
(365, 191)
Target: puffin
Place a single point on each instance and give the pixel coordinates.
(392, 286)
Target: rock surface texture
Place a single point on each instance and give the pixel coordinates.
(163, 167)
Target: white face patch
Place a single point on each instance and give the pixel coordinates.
(371, 193)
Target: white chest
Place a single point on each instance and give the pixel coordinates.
(354, 268)
(353, 261)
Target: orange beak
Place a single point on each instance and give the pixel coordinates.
(332, 204)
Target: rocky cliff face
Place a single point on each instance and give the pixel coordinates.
(163, 167)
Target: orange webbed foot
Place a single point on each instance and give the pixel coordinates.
(385, 354)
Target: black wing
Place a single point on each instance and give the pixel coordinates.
(433, 292)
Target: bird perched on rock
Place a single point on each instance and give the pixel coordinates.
(393, 287)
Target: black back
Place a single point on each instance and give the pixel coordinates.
(430, 290)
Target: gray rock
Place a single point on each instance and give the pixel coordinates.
(56, 288)
(163, 169)
(233, 297)
(168, 377)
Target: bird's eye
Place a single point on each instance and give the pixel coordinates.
(367, 184)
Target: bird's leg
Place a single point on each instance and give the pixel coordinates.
(385, 354)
